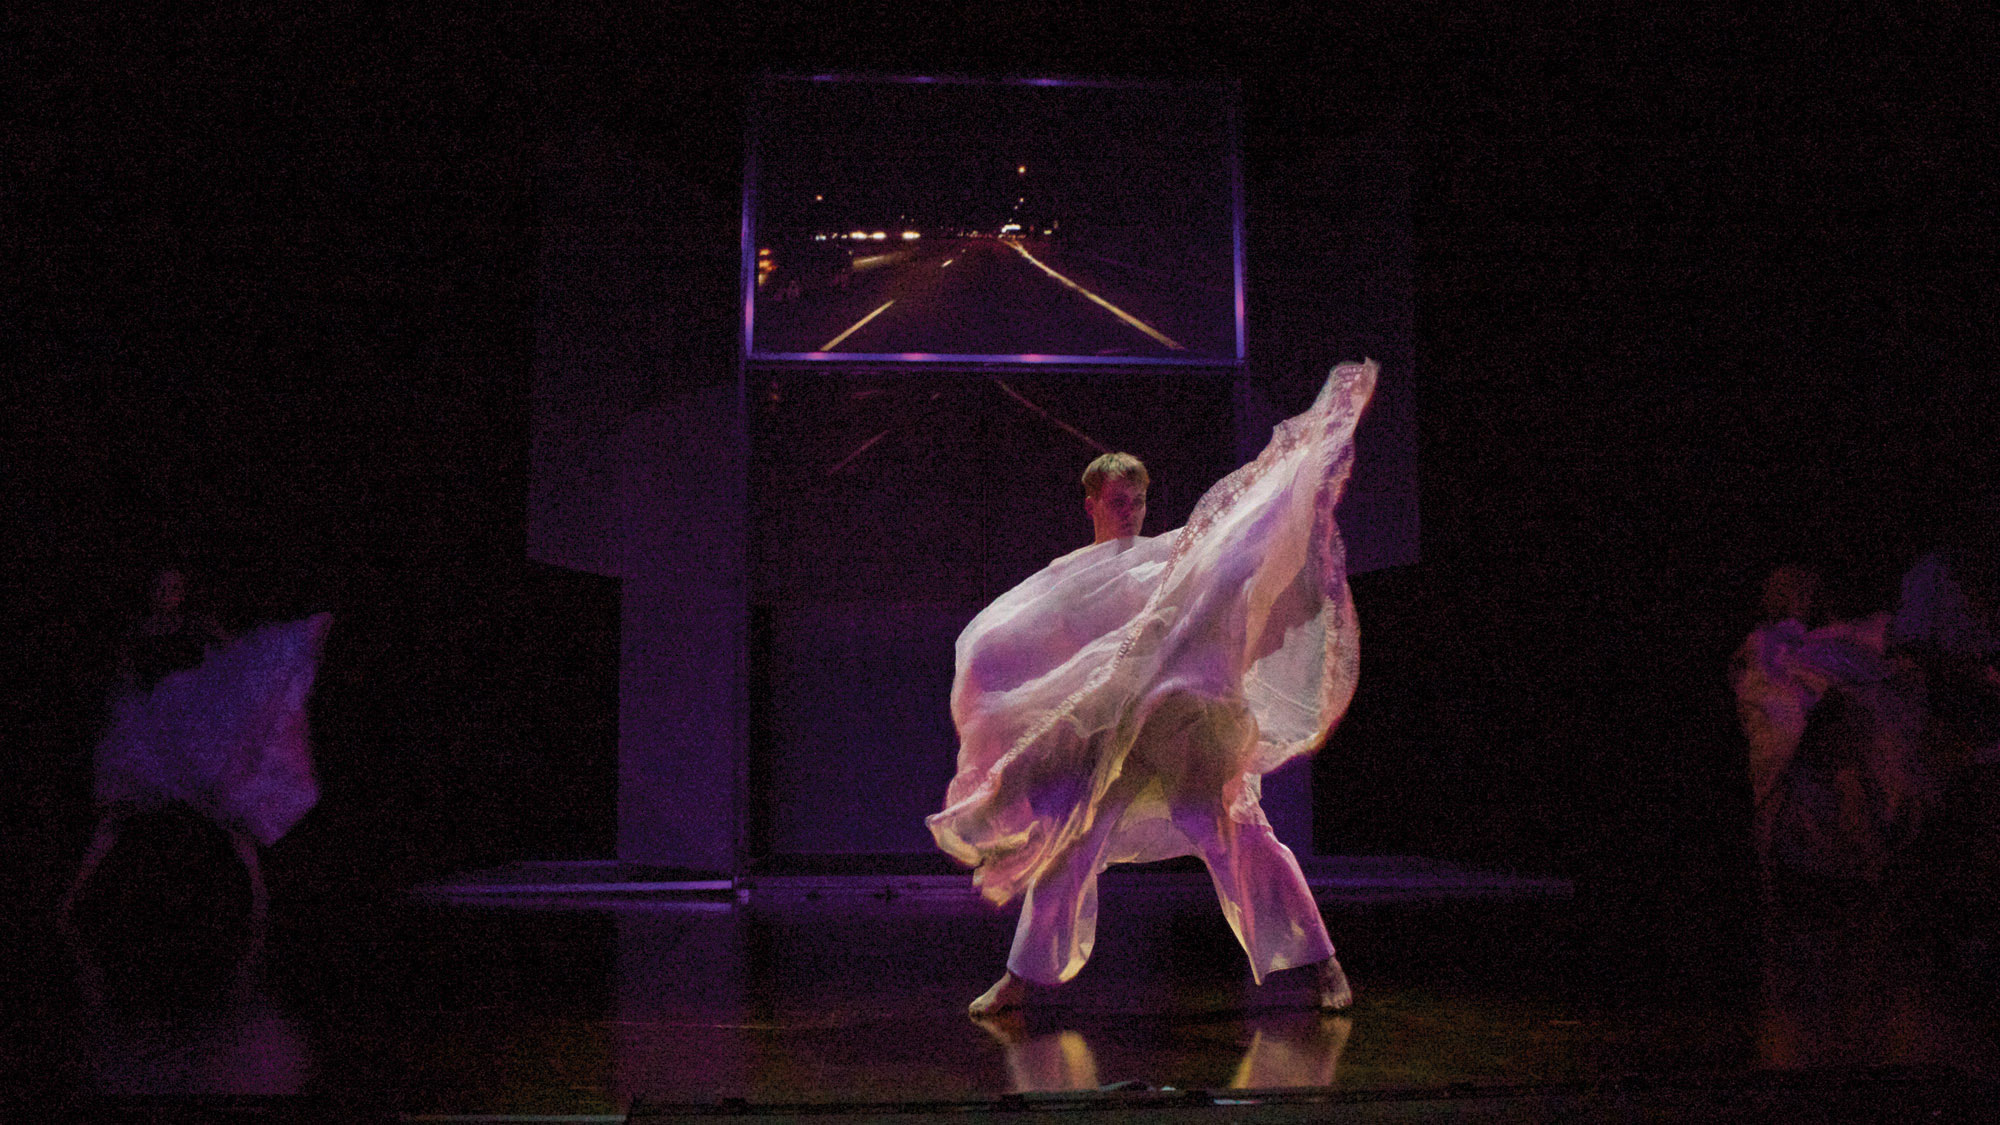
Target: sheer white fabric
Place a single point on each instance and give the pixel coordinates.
(227, 737)
(1869, 783)
(1780, 673)
(1121, 704)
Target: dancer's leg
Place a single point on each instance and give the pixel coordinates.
(1334, 991)
(1264, 895)
(1054, 936)
(101, 842)
(1269, 904)
(260, 907)
(1058, 923)
(260, 899)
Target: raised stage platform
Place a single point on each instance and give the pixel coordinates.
(595, 992)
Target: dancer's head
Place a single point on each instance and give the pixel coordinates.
(169, 589)
(1115, 466)
(1114, 494)
(1789, 592)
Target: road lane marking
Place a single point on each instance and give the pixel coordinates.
(852, 329)
(1065, 426)
(1121, 314)
(865, 447)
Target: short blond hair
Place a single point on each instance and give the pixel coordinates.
(1124, 466)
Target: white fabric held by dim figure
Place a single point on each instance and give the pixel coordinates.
(227, 737)
(1122, 704)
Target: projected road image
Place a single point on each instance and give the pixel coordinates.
(916, 220)
(986, 296)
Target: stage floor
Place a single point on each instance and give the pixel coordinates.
(541, 993)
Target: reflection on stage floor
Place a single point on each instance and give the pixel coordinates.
(537, 991)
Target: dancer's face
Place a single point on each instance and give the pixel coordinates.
(1118, 510)
(169, 590)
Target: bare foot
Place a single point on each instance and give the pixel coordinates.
(1334, 992)
(1009, 1028)
(1007, 992)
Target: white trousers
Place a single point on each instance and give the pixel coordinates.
(1263, 893)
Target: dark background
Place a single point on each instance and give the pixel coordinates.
(1692, 297)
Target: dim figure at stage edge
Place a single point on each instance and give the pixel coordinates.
(208, 721)
(1123, 704)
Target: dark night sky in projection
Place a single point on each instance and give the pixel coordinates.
(950, 155)
(1118, 202)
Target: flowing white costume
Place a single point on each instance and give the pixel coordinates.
(1843, 809)
(227, 737)
(1780, 673)
(1122, 704)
